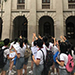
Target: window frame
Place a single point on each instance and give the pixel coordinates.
(18, 2)
(46, 1)
(71, 1)
(21, 5)
(46, 5)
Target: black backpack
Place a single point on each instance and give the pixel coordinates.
(3, 60)
(49, 59)
(48, 62)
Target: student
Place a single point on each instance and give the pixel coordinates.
(14, 42)
(34, 50)
(20, 57)
(25, 59)
(11, 57)
(63, 59)
(6, 55)
(38, 62)
(12, 52)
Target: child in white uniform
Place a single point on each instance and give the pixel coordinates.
(11, 57)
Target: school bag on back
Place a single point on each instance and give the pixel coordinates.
(70, 64)
(3, 60)
(48, 62)
(27, 52)
(49, 58)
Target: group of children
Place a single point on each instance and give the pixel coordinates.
(39, 47)
(60, 48)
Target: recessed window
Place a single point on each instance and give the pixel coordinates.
(71, 4)
(21, 4)
(45, 4)
(70, 30)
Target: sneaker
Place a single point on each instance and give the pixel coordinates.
(9, 73)
(13, 71)
(23, 71)
(31, 72)
(52, 73)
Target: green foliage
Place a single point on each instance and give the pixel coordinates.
(1, 44)
(5, 0)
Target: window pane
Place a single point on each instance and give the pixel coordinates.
(43, 0)
(21, 1)
(48, 1)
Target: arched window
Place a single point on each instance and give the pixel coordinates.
(45, 4)
(70, 30)
(20, 4)
(71, 4)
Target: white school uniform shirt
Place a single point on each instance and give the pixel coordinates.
(34, 50)
(22, 51)
(13, 54)
(51, 46)
(6, 52)
(64, 58)
(40, 55)
(16, 46)
(32, 44)
(44, 50)
(55, 49)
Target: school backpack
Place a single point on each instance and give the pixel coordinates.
(27, 52)
(48, 62)
(70, 64)
(49, 58)
(3, 60)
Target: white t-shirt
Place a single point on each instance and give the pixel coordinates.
(64, 58)
(51, 46)
(55, 49)
(6, 52)
(40, 55)
(13, 54)
(21, 51)
(34, 51)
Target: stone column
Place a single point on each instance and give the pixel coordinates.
(59, 18)
(6, 20)
(32, 20)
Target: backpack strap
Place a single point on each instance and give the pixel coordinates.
(5, 48)
(43, 56)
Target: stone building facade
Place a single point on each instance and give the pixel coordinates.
(23, 17)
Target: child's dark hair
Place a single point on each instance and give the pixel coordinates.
(52, 40)
(35, 42)
(25, 41)
(6, 41)
(63, 47)
(45, 39)
(21, 43)
(47, 44)
(39, 43)
(15, 41)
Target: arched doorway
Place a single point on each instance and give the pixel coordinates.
(70, 29)
(46, 26)
(1, 21)
(20, 27)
